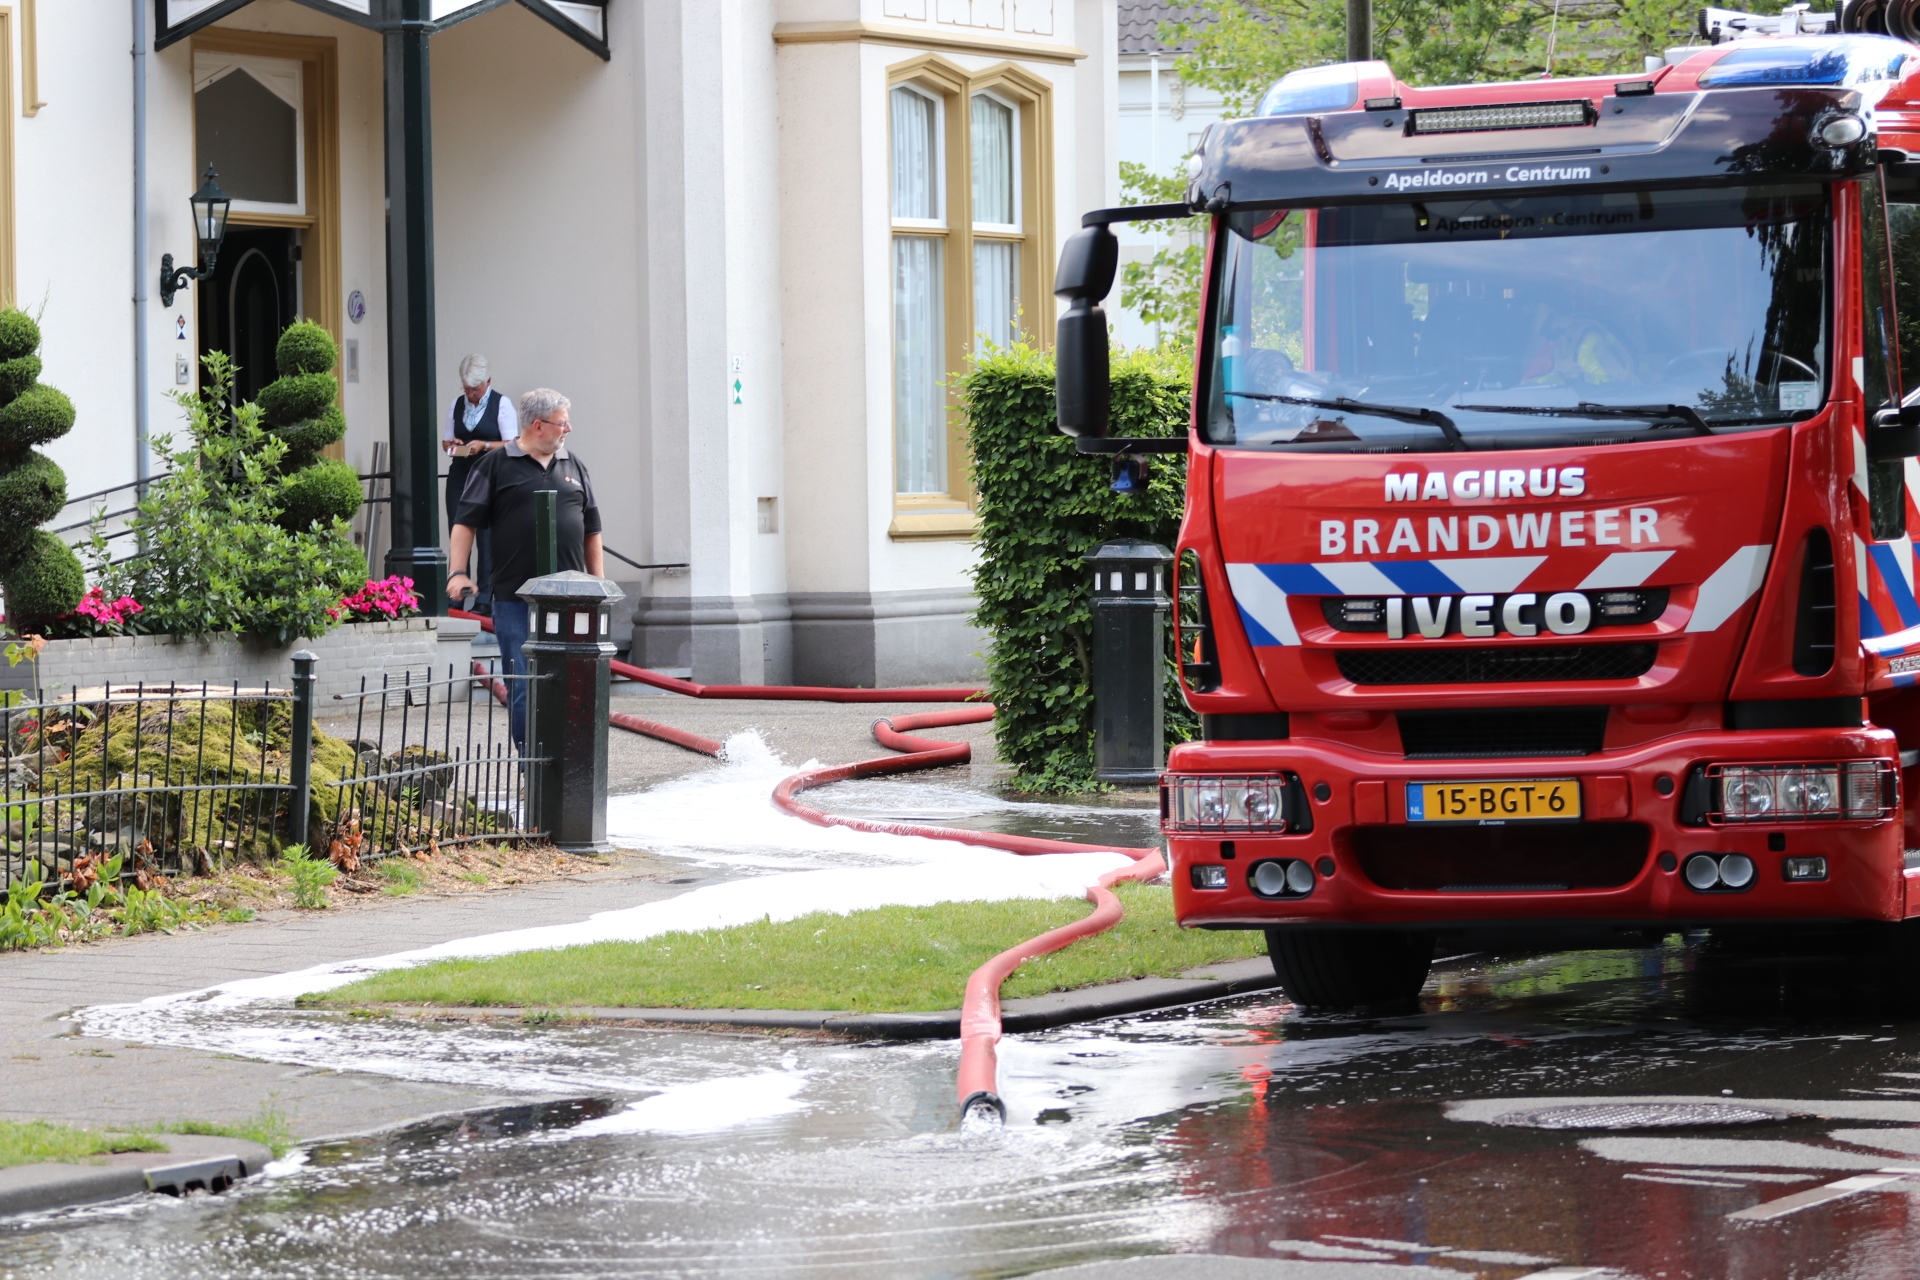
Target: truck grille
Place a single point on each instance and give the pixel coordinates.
(1518, 859)
(1502, 733)
(1495, 664)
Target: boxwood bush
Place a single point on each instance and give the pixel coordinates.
(1043, 506)
(42, 576)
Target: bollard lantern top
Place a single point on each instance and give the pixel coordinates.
(571, 586)
(1129, 551)
(1129, 568)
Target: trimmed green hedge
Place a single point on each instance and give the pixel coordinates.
(45, 583)
(324, 492)
(1042, 506)
(42, 576)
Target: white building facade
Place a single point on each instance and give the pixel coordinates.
(750, 239)
(1161, 120)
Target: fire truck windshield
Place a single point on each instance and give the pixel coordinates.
(1365, 328)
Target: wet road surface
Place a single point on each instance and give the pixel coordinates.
(1427, 1143)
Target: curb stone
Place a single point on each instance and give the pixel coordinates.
(191, 1162)
(1034, 1013)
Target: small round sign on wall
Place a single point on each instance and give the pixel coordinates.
(356, 306)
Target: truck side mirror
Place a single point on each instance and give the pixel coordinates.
(1082, 387)
(1895, 432)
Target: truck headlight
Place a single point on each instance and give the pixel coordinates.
(1851, 790)
(1211, 804)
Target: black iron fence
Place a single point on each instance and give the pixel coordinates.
(187, 779)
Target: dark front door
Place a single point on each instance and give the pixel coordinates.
(251, 297)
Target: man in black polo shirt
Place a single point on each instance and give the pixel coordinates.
(499, 496)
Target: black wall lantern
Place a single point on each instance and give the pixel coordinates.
(210, 227)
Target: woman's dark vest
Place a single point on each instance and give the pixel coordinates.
(488, 428)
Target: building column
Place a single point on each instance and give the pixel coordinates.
(417, 554)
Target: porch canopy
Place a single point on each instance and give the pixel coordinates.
(405, 26)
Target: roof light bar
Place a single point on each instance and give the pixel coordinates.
(1517, 115)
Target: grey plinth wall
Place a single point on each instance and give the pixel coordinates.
(845, 639)
(345, 655)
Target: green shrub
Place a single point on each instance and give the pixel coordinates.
(216, 556)
(324, 492)
(1043, 506)
(17, 375)
(35, 416)
(310, 875)
(302, 395)
(45, 583)
(31, 493)
(305, 347)
(19, 334)
(305, 439)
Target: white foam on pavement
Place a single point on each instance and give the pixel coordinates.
(708, 1106)
(725, 814)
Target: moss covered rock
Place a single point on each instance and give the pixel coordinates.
(324, 492)
(44, 583)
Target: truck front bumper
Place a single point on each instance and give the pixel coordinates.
(1622, 863)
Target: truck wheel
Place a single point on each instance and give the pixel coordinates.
(1342, 969)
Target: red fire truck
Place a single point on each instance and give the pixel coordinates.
(1547, 564)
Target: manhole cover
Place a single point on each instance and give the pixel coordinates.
(1642, 1115)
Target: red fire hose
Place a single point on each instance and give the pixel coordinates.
(980, 1008)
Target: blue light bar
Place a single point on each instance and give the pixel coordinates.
(1332, 88)
(1846, 60)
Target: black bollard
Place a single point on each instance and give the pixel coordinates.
(300, 750)
(1129, 657)
(569, 648)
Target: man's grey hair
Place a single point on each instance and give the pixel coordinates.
(542, 402)
(474, 371)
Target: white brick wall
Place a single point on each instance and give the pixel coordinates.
(345, 655)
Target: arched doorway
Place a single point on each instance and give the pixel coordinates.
(252, 295)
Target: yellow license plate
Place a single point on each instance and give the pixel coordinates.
(1524, 800)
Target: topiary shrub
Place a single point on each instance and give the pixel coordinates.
(298, 406)
(41, 575)
(1041, 507)
(45, 583)
(324, 492)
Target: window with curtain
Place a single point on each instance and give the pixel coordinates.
(919, 329)
(996, 221)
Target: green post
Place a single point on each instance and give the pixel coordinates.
(546, 534)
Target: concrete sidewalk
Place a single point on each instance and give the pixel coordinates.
(54, 1073)
(51, 1072)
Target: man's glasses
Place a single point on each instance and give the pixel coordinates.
(564, 426)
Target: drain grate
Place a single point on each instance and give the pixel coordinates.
(1643, 1115)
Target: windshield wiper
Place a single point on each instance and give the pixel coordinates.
(1432, 417)
(1650, 413)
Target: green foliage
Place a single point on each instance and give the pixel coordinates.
(16, 375)
(310, 876)
(403, 876)
(217, 556)
(322, 493)
(36, 915)
(1042, 507)
(1164, 291)
(1240, 47)
(885, 960)
(35, 416)
(19, 334)
(31, 493)
(304, 347)
(42, 1142)
(287, 400)
(306, 438)
(268, 1126)
(44, 583)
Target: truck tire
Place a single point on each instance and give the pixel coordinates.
(1344, 969)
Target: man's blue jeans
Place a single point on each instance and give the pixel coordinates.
(510, 624)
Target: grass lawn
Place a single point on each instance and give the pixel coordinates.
(888, 960)
(38, 1142)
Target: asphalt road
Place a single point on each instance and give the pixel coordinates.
(1665, 1113)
